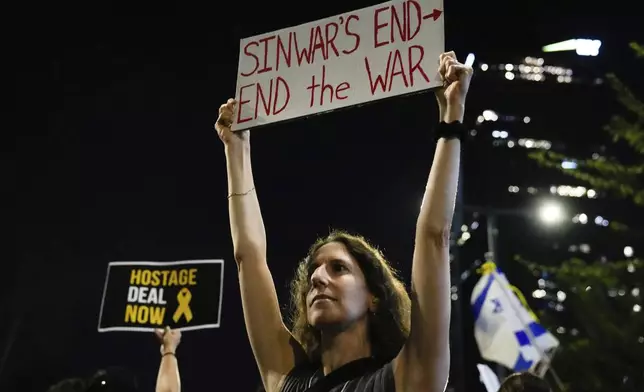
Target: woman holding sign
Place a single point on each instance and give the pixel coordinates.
(355, 327)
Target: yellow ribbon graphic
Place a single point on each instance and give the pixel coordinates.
(183, 298)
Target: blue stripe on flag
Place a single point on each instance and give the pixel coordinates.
(521, 364)
(522, 338)
(536, 329)
(480, 300)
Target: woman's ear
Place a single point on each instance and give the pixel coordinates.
(373, 306)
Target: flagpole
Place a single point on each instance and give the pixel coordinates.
(491, 255)
(552, 371)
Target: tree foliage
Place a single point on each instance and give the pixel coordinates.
(602, 327)
(608, 173)
(601, 334)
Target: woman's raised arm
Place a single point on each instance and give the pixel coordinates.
(272, 344)
(168, 378)
(423, 363)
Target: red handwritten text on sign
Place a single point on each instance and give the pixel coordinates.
(369, 54)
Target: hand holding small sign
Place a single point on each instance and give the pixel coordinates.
(169, 338)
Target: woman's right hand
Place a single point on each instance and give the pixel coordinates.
(169, 338)
(224, 123)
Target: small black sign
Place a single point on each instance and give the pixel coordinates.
(143, 295)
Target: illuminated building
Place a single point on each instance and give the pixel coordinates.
(556, 102)
(529, 105)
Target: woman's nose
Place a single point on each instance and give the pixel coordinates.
(320, 278)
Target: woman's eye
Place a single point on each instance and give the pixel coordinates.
(339, 267)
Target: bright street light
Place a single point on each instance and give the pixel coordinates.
(583, 47)
(551, 213)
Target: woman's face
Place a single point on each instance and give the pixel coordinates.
(338, 295)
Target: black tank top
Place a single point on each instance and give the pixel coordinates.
(362, 375)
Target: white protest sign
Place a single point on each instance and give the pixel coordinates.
(377, 52)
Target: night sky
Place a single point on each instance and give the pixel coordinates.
(116, 160)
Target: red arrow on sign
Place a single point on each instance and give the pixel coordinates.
(434, 15)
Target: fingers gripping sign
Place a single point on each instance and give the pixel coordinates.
(169, 338)
(224, 123)
(226, 113)
(456, 80)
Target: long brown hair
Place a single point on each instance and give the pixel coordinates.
(388, 325)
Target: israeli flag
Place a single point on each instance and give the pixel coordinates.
(506, 331)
